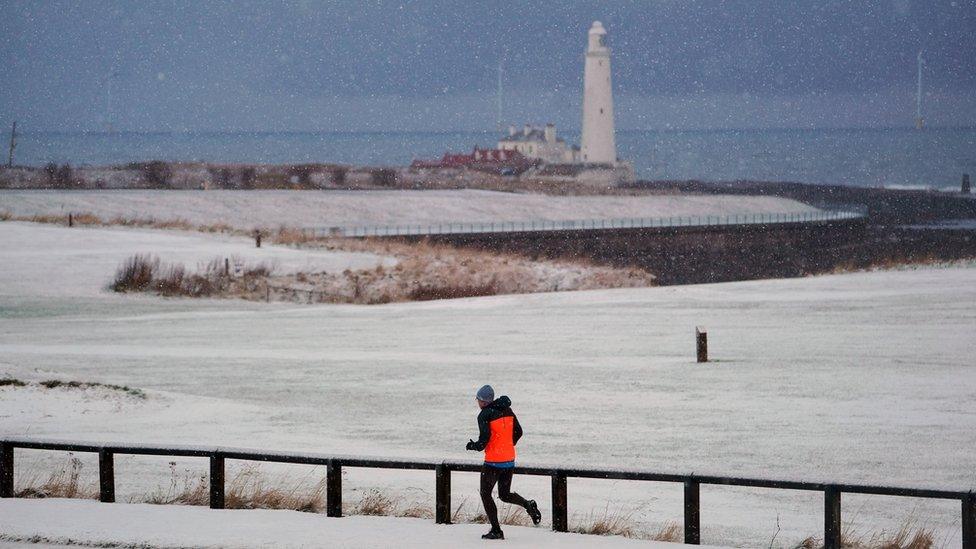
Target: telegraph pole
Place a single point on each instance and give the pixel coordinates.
(919, 121)
(499, 119)
(13, 144)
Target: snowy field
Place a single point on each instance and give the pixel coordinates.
(88, 257)
(248, 209)
(857, 378)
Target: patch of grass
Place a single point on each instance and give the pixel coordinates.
(136, 274)
(249, 489)
(185, 489)
(430, 292)
(417, 511)
(513, 515)
(145, 273)
(57, 383)
(614, 523)
(9, 381)
(374, 502)
(65, 482)
(909, 536)
(670, 532)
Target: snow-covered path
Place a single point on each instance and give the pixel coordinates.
(112, 525)
(861, 378)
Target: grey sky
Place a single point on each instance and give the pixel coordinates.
(433, 65)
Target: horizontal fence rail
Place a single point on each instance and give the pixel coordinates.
(819, 216)
(692, 483)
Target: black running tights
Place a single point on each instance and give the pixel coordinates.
(503, 477)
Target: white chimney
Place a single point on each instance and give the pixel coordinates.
(512, 131)
(527, 130)
(550, 133)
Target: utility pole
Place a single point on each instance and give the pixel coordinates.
(499, 119)
(919, 121)
(13, 144)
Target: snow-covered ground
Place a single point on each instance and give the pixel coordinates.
(248, 209)
(862, 377)
(113, 525)
(88, 257)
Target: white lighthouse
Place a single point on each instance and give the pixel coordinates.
(597, 145)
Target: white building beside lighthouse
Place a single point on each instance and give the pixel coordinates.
(597, 145)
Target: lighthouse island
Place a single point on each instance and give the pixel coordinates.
(537, 153)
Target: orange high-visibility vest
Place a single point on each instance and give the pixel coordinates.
(500, 446)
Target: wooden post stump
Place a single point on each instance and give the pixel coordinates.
(701, 338)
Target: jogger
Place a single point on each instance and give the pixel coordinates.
(498, 432)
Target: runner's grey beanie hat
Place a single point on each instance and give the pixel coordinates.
(486, 394)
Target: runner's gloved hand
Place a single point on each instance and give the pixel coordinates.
(471, 445)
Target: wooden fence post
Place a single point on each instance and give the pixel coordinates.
(692, 512)
(969, 521)
(560, 511)
(701, 340)
(6, 470)
(333, 489)
(71, 219)
(106, 476)
(216, 481)
(832, 524)
(442, 497)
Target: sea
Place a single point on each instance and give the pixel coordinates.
(932, 158)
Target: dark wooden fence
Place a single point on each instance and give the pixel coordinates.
(443, 469)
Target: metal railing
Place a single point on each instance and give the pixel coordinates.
(819, 216)
(443, 469)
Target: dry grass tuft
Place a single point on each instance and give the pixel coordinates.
(608, 524)
(250, 490)
(185, 489)
(670, 532)
(417, 511)
(513, 515)
(908, 536)
(57, 383)
(63, 483)
(374, 502)
(291, 237)
(135, 274)
(145, 273)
